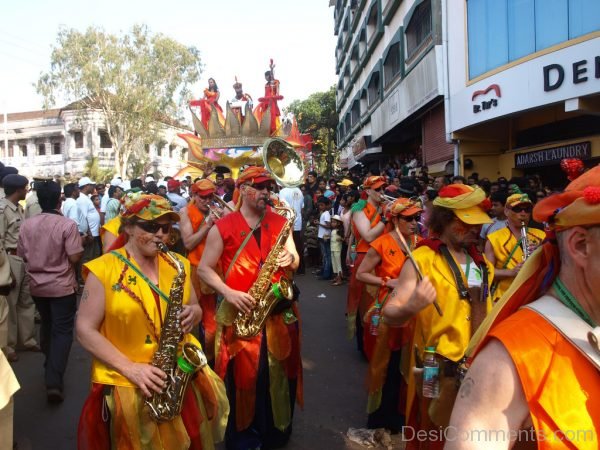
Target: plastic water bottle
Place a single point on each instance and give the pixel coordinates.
(374, 325)
(431, 374)
(352, 254)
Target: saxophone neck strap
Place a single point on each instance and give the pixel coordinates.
(246, 239)
(512, 252)
(153, 286)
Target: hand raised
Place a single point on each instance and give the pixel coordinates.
(147, 377)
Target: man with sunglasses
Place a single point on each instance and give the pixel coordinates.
(504, 247)
(196, 221)
(261, 414)
(367, 225)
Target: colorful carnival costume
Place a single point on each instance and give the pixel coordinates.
(559, 374)
(462, 293)
(508, 248)
(385, 347)
(269, 102)
(357, 300)
(114, 414)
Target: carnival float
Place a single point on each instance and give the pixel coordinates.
(241, 135)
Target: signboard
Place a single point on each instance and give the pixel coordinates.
(551, 156)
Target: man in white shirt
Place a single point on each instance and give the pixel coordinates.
(106, 198)
(173, 186)
(70, 208)
(92, 248)
(324, 236)
(294, 198)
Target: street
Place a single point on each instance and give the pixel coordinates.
(334, 374)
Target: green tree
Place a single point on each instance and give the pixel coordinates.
(317, 115)
(136, 79)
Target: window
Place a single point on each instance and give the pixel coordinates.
(105, 141)
(23, 148)
(41, 149)
(501, 31)
(373, 89)
(391, 65)
(363, 100)
(372, 22)
(354, 59)
(418, 30)
(78, 136)
(184, 154)
(362, 42)
(347, 124)
(56, 148)
(147, 148)
(355, 118)
(171, 149)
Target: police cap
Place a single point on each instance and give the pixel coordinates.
(14, 181)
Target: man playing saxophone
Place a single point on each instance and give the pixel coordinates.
(262, 373)
(504, 248)
(138, 305)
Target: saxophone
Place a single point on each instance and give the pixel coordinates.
(524, 242)
(264, 291)
(167, 405)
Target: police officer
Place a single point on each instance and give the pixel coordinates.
(21, 309)
(32, 205)
(5, 170)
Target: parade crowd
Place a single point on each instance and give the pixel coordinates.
(456, 287)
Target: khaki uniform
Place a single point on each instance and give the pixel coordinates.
(8, 381)
(21, 309)
(32, 205)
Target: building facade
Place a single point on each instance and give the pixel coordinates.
(524, 85)
(59, 142)
(392, 80)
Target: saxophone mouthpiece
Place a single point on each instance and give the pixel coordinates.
(162, 247)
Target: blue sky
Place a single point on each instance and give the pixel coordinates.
(235, 37)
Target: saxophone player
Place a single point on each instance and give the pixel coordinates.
(242, 242)
(504, 247)
(124, 309)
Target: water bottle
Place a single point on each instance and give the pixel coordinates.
(352, 254)
(374, 325)
(431, 374)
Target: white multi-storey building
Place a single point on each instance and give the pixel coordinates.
(390, 92)
(61, 142)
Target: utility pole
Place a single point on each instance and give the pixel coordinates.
(5, 130)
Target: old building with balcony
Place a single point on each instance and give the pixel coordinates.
(58, 142)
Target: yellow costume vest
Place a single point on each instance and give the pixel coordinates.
(125, 323)
(503, 243)
(112, 227)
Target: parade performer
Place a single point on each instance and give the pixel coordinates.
(504, 247)
(210, 100)
(536, 357)
(270, 100)
(196, 221)
(458, 275)
(381, 267)
(263, 373)
(109, 232)
(124, 309)
(367, 225)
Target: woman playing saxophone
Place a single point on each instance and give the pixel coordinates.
(126, 320)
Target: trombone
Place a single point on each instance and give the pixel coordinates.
(214, 211)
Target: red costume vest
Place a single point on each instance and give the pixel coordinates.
(374, 218)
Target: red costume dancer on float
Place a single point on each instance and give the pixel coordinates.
(270, 100)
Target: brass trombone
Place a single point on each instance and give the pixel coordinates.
(214, 211)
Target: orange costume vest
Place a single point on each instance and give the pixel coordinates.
(374, 218)
(197, 219)
(561, 386)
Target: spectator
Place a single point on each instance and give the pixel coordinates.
(174, 196)
(295, 199)
(324, 236)
(113, 206)
(50, 266)
(92, 246)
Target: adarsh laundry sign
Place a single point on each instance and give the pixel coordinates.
(551, 156)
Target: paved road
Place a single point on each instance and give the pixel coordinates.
(333, 383)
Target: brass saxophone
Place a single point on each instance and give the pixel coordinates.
(524, 242)
(179, 369)
(264, 291)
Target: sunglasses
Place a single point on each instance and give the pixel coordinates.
(520, 209)
(264, 185)
(411, 218)
(379, 189)
(205, 197)
(153, 227)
